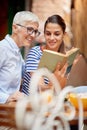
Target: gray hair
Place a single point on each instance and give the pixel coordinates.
(24, 16)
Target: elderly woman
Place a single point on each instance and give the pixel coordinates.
(24, 30)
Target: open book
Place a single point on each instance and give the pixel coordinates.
(50, 58)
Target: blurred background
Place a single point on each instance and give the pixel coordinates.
(74, 13)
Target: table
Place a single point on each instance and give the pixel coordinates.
(7, 115)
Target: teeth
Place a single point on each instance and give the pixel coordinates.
(29, 39)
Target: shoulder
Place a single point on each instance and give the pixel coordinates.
(4, 43)
(3, 46)
(35, 50)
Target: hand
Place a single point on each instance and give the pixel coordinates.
(15, 96)
(78, 57)
(60, 74)
(42, 86)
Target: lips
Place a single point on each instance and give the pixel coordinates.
(52, 43)
(29, 40)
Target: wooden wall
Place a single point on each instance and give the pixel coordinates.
(3, 18)
(79, 25)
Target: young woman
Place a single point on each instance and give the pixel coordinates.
(54, 31)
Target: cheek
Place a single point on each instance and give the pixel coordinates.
(60, 37)
(22, 39)
(22, 35)
(47, 38)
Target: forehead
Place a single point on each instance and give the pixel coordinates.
(53, 26)
(31, 24)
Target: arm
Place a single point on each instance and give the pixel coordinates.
(60, 74)
(15, 96)
(3, 97)
(78, 73)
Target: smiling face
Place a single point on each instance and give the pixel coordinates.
(21, 36)
(54, 36)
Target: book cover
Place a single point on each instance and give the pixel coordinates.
(50, 58)
(71, 54)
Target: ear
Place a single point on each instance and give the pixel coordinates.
(14, 28)
(65, 33)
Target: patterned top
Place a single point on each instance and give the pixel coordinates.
(31, 65)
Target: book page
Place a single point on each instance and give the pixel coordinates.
(50, 60)
(73, 50)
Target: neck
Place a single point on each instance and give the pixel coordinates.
(52, 49)
(15, 39)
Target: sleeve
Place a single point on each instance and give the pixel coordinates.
(3, 97)
(31, 64)
(32, 60)
(25, 84)
(2, 56)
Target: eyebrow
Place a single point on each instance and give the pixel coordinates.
(50, 31)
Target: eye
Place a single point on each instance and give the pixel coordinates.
(36, 31)
(57, 34)
(30, 29)
(47, 33)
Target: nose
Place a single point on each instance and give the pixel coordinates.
(51, 36)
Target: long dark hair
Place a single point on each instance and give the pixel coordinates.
(60, 21)
(56, 19)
